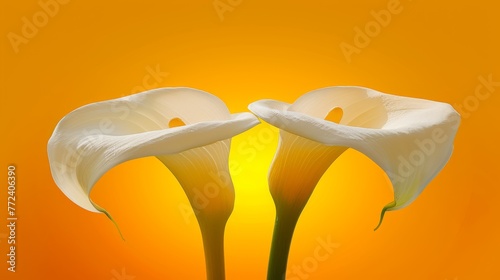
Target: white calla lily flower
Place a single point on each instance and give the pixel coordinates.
(410, 139)
(188, 130)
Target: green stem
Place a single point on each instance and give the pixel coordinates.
(213, 244)
(280, 247)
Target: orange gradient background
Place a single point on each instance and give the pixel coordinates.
(96, 50)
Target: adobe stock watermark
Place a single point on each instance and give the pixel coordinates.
(254, 144)
(202, 197)
(424, 149)
(223, 6)
(309, 265)
(363, 36)
(483, 91)
(32, 25)
(152, 79)
(122, 275)
(119, 111)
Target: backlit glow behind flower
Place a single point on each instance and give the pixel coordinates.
(188, 130)
(410, 139)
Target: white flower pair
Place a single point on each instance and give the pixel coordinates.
(190, 130)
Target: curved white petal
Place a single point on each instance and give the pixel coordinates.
(410, 139)
(94, 138)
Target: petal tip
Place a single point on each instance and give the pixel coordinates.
(386, 208)
(102, 210)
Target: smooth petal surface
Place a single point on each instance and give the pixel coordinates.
(94, 138)
(410, 139)
(203, 173)
(297, 167)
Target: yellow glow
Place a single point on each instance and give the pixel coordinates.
(262, 49)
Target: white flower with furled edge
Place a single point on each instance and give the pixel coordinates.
(188, 130)
(410, 139)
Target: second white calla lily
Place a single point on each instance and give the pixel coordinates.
(188, 130)
(410, 139)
